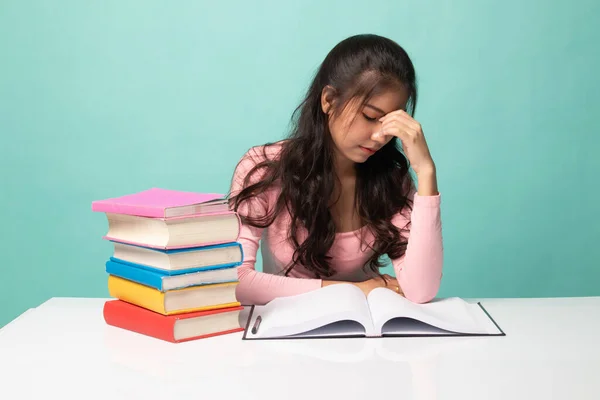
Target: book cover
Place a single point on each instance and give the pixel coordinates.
(152, 277)
(166, 272)
(127, 316)
(162, 271)
(153, 202)
(154, 300)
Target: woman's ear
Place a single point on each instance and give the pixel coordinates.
(327, 99)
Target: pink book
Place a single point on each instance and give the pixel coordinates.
(163, 203)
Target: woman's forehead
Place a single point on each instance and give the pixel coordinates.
(388, 101)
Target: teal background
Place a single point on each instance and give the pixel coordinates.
(99, 99)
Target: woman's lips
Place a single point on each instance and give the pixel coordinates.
(367, 150)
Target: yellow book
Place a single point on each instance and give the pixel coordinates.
(197, 298)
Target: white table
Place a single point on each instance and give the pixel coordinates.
(64, 350)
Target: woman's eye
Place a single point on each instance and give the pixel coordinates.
(369, 118)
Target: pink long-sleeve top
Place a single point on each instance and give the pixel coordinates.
(418, 271)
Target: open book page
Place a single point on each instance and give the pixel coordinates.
(325, 312)
(394, 314)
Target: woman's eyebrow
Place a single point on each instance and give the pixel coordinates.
(375, 108)
(379, 109)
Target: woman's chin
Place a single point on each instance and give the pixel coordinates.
(359, 156)
(355, 155)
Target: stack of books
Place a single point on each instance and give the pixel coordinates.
(173, 272)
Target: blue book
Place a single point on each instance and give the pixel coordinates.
(179, 261)
(160, 280)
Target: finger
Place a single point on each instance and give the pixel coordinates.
(397, 113)
(391, 281)
(395, 289)
(399, 120)
(386, 280)
(397, 129)
(400, 114)
(411, 125)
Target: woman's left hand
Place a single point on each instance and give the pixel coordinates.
(401, 125)
(378, 282)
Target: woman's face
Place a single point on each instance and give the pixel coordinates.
(355, 131)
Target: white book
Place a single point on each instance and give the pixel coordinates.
(173, 262)
(173, 233)
(342, 310)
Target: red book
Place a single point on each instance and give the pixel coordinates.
(172, 328)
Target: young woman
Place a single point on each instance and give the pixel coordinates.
(327, 203)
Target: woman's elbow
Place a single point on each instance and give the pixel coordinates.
(422, 295)
(420, 298)
(246, 291)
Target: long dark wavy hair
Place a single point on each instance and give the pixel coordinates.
(358, 68)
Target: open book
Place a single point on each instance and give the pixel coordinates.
(342, 310)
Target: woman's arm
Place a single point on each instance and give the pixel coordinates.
(258, 287)
(419, 270)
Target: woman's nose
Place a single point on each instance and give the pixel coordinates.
(378, 137)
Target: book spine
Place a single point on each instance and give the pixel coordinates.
(138, 320)
(166, 272)
(139, 275)
(135, 293)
